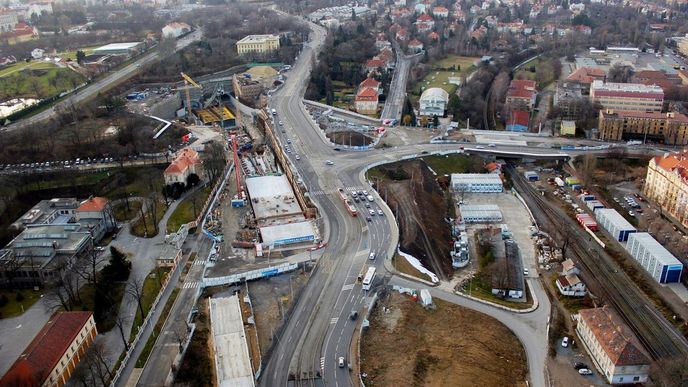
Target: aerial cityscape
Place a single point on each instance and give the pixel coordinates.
(332, 193)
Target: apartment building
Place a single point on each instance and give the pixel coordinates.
(627, 96)
(258, 44)
(668, 128)
(612, 346)
(666, 184)
(521, 94)
(53, 354)
(8, 19)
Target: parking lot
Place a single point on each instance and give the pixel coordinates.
(563, 367)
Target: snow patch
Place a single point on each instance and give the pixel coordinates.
(415, 262)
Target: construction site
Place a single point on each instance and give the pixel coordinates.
(407, 344)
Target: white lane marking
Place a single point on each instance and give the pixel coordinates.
(334, 320)
(190, 285)
(347, 287)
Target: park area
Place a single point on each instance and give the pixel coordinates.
(442, 70)
(408, 345)
(37, 80)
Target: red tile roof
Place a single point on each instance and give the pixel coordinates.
(519, 117)
(369, 82)
(614, 338)
(184, 159)
(424, 18)
(94, 204)
(46, 349)
(375, 63)
(586, 75)
(366, 94)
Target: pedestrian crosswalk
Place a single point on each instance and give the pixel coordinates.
(322, 363)
(324, 193)
(190, 285)
(347, 287)
(334, 320)
(199, 262)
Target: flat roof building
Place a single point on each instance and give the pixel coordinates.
(232, 359)
(627, 96)
(480, 213)
(56, 210)
(272, 197)
(282, 235)
(614, 223)
(119, 48)
(654, 258)
(612, 346)
(476, 182)
(258, 44)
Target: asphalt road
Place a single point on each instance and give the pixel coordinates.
(103, 83)
(397, 89)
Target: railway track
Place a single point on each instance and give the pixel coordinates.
(654, 332)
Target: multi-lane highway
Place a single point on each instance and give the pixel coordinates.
(102, 84)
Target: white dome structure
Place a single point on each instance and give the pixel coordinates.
(433, 102)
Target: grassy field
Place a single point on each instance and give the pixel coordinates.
(147, 230)
(38, 82)
(34, 65)
(14, 307)
(185, 213)
(71, 55)
(122, 213)
(451, 66)
(151, 288)
(444, 165)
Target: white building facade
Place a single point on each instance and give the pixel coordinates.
(433, 102)
(476, 182)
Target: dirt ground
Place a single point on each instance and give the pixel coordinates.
(423, 230)
(450, 346)
(349, 138)
(267, 295)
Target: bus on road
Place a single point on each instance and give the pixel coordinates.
(368, 279)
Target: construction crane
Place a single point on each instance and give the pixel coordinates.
(239, 201)
(189, 84)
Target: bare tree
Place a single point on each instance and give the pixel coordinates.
(120, 321)
(670, 372)
(135, 290)
(587, 169)
(180, 332)
(97, 358)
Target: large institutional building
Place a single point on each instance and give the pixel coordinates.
(51, 357)
(627, 96)
(258, 44)
(668, 128)
(667, 184)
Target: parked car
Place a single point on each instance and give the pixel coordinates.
(329, 162)
(580, 365)
(565, 342)
(585, 371)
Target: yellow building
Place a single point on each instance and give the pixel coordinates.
(667, 184)
(668, 128)
(258, 44)
(568, 128)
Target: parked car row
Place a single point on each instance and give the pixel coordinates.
(48, 166)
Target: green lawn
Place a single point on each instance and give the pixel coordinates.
(38, 82)
(69, 180)
(13, 307)
(13, 68)
(440, 73)
(444, 165)
(151, 288)
(71, 55)
(122, 213)
(185, 213)
(147, 230)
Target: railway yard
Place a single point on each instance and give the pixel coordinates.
(604, 278)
